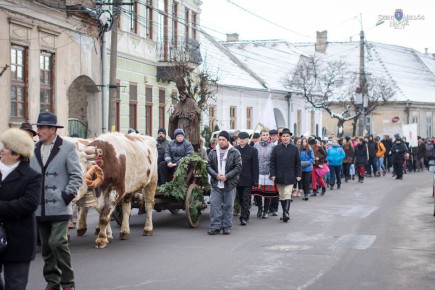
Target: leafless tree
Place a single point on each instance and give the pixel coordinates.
(327, 83)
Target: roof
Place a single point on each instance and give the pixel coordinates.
(412, 73)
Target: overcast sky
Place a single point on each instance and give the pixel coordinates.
(299, 20)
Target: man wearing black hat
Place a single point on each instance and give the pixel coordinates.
(248, 176)
(224, 166)
(161, 138)
(58, 162)
(255, 139)
(285, 170)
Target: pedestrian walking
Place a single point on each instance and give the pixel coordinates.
(347, 161)
(20, 195)
(307, 159)
(58, 162)
(266, 186)
(380, 155)
(319, 163)
(398, 151)
(248, 176)
(371, 166)
(224, 166)
(297, 188)
(388, 143)
(360, 159)
(421, 152)
(285, 169)
(274, 203)
(430, 152)
(335, 155)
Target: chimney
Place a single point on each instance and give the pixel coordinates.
(426, 51)
(232, 37)
(321, 41)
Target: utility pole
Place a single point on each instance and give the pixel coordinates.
(362, 86)
(113, 88)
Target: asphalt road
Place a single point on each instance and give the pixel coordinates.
(378, 235)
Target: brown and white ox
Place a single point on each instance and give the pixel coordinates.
(129, 164)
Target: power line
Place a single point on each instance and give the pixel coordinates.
(268, 21)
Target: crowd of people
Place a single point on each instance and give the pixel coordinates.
(266, 169)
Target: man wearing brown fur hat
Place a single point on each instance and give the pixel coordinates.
(58, 161)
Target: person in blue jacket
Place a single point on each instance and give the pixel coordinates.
(307, 159)
(335, 155)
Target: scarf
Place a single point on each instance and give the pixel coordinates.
(6, 169)
(222, 162)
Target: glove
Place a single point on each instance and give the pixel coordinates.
(67, 197)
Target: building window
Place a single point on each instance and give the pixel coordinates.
(249, 118)
(194, 24)
(133, 105)
(186, 23)
(118, 107)
(133, 17)
(368, 125)
(414, 119)
(428, 126)
(212, 117)
(313, 121)
(18, 82)
(149, 19)
(163, 27)
(46, 82)
(174, 24)
(162, 102)
(149, 110)
(233, 117)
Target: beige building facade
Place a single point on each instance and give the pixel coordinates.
(53, 64)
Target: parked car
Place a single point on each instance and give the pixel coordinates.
(432, 169)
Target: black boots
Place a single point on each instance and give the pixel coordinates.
(323, 191)
(305, 196)
(266, 208)
(314, 192)
(331, 187)
(259, 202)
(285, 210)
(338, 186)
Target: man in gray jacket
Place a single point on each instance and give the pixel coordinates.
(224, 166)
(58, 162)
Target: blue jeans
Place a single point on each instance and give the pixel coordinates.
(380, 161)
(335, 171)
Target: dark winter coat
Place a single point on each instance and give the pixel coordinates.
(175, 151)
(373, 148)
(20, 195)
(430, 152)
(250, 168)
(387, 144)
(360, 155)
(348, 151)
(321, 153)
(233, 168)
(398, 151)
(421, 150)
(285, 164)
(164, 143)
(160, 153)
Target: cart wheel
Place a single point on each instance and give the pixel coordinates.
(192, 205)
(174, 211)
(117, 214)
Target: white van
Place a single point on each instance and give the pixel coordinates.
(231, 132)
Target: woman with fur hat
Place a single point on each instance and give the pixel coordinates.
(20, 194)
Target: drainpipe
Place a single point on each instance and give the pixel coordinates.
(288, 97)
(103, 81)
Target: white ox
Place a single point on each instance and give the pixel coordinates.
(129, 164)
